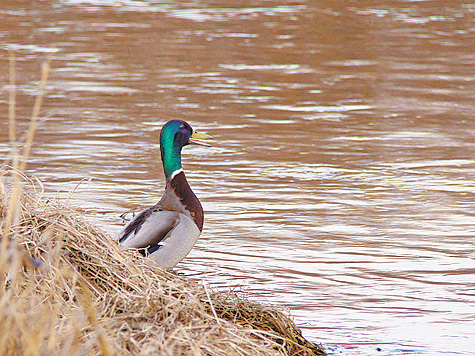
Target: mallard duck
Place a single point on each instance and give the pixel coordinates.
(168, 230)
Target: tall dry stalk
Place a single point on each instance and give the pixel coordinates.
(36, 110)
(19, 168)
(18, 164)
(12, 98)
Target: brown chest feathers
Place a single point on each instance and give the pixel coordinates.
(179, 197)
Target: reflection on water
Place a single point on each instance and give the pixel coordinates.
(341, 181)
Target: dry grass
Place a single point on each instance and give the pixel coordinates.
(90, 296)
(67, 289)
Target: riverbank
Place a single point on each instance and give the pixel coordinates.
(67, 288)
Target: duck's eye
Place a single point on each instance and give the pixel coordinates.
(182, 127)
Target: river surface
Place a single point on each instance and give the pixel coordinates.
(341, 181)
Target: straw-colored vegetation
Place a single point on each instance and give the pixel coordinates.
(67, 289)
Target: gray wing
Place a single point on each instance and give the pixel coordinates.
(148, 228)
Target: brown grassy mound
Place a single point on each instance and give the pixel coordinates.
(89, 296)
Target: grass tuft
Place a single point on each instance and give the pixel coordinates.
(86, 295)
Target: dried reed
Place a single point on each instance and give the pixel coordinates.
(90, 296)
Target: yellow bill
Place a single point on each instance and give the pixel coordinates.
(196, 138)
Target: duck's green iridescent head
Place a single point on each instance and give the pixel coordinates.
(174, 135)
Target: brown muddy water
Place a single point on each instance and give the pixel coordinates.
(341, 180)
